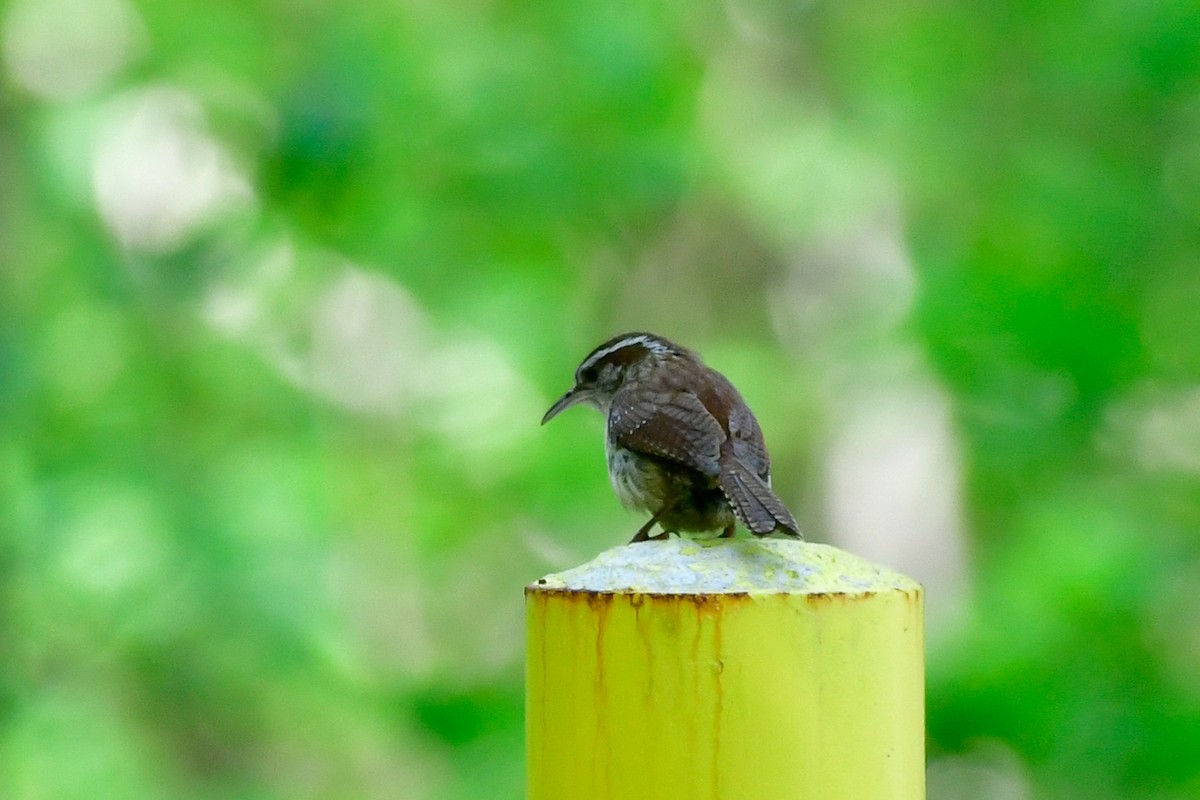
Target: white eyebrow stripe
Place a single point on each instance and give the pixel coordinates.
(643, 339)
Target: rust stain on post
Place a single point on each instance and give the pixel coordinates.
(734, 695)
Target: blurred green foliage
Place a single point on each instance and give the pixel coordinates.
(285, 288)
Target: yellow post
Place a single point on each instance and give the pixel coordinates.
(725, 670)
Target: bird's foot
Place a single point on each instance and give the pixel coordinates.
(643, 534)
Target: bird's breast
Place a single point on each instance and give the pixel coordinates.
(634, 479)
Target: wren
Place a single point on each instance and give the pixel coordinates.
(680, 441)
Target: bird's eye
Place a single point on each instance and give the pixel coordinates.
(588, 375)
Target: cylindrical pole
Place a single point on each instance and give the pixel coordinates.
(731, 670)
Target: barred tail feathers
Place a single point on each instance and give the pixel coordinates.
(753, 501)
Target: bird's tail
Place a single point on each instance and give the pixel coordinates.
(753, 501)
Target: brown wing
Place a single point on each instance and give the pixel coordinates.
(670, 423)
(744, 434)
(745, 476)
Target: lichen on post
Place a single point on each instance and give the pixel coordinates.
(731, 670)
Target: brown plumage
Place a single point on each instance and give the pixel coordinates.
(681, 442)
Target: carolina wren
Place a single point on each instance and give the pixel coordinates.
(680, 441)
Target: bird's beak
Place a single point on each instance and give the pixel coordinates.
(566, 401)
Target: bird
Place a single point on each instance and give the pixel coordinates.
(680, 442)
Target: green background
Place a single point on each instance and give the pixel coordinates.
(286, 287)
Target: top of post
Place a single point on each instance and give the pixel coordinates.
(727, 566)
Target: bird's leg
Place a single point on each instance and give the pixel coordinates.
(643, 533)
